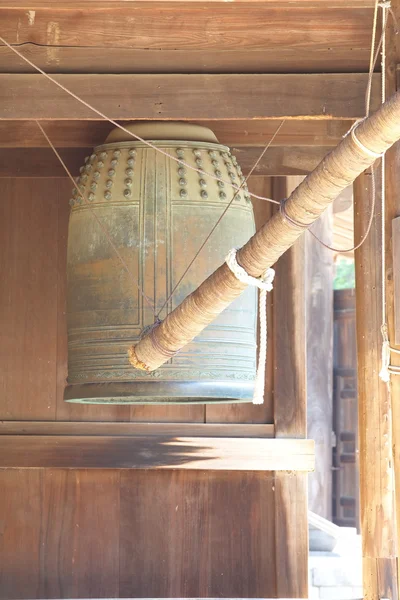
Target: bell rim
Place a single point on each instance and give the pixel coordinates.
(139, 392)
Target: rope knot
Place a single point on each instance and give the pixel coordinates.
(264, 284)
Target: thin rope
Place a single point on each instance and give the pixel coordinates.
(221, 217)
(372, 63)
(264, 284)
(130, 133)
(103, 228)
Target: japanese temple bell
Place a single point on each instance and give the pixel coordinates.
(157, 213)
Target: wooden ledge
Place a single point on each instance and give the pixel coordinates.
(102, 428)
(156, 452)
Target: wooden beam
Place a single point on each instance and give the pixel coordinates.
(290, 397)
(60, 428)
(80, 59)
(41, 162)
(396, 278)
(254, 132)
(192, 25)
(377, 500)
(152, 452)
(319, 327)
(187, 97)
(109, 4)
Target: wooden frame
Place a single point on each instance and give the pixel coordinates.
(155, 452)
(199, 96)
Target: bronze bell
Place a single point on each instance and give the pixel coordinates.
(157, 213)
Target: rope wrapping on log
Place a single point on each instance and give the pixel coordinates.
(307, 202)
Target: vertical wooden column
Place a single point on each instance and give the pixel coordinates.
(379, 412)
(290, 408)
(377, 502)
(392, 211)
(319, 323)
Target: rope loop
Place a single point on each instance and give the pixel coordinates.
(292, 222)
(367, 151)
(264, 284)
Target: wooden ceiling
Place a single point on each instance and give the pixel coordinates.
(237, 66)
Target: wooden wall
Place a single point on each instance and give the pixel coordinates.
(108, 533)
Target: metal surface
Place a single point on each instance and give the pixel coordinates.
(157, 213)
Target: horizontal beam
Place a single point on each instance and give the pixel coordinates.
(99, 428)
(255, 132)
(156, 452)
(41, 162)
(109, 4)
(187, 97)
(80, 59)
(191, 26)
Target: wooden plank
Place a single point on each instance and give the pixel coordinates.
(79, 534)
(396, 278)
(59, 428)
(377, 500)
(256, 133)
(79, 59)
(165, 25)
(165, 452)
(128, 97)
(109, 4)
(28, 298)
(182, 519)
(42, 162)
(250, 413)
(20, 511)
(48, 547)
(319, 327)
(290, 398)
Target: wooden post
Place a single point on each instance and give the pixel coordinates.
(319, 332)
(392, 211)
(377, 501)
(290, 408)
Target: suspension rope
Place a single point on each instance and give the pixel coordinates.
(130, 133)
(264, 284)
(221, 217)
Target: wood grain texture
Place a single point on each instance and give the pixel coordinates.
(28, 312)
(256, 132)
(69, 4)
(323, 96)
(59, 428)
(290, 411)
(165, 26)
(81, 59)
(20, 513)
(393, 211)
(289, 342)
(42, 162)
(152, 452)
(60, 534)
(377, 499)
(79, 534)
(291, 535)
(249, 413)
(319, 327)
(214, 535)
(396, 278)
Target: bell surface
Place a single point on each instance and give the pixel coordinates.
(157, 213)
